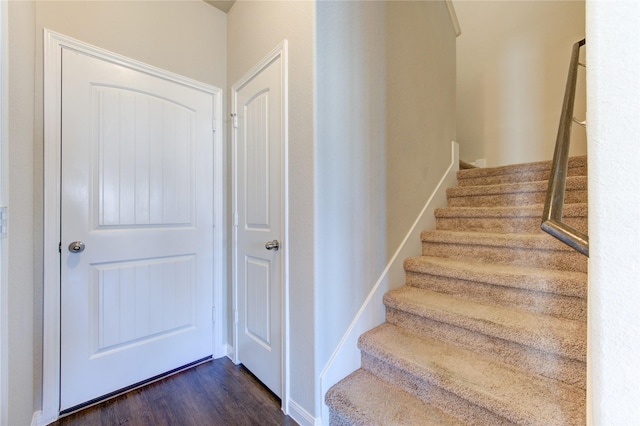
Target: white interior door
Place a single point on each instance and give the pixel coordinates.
(137, 172)
(259, 143)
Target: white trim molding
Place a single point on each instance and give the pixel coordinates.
(53, 45)
(302, 416)
(346, 357)
(281, 50)
(454, 17)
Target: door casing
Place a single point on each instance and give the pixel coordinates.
(279, 51)
(53, 45)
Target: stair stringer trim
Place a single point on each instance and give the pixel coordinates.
(345, 359)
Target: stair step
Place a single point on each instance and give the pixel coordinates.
(544, 291)
(364, 399)
(514, 194)
(532, 250)
(556, 336)
(522, 219)
(529, 172)
(420, 364)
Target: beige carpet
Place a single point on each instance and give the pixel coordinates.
(490, 327)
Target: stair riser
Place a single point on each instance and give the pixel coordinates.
(336, 420)
(556, 367)
(529, 225)
(513, 199)
(557, 305)
(551, 259)
(548, 340)
(447, 401)
(530, 176)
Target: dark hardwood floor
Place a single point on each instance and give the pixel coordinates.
(214, 393)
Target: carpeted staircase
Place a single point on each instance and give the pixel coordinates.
(490, 328)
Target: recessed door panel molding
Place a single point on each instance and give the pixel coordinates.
(144, 148)
(133, 302)
(257, 167)
(258, 303)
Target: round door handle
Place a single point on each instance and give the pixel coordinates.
(76, 247)
(272, 245)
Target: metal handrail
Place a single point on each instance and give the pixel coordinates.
(554, 203)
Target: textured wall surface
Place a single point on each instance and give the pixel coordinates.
(613, 37)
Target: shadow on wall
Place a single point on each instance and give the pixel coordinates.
(350, 161)
(385, 119)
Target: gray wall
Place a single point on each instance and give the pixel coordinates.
(385, 119)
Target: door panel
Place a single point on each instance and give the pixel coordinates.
(137, 173)
(259, 105)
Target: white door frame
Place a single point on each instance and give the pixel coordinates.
(53, 45)
(279, 51)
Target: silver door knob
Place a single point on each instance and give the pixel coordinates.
(76, 247)
(272, 245)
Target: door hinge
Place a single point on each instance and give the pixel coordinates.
(235, 218)
(235, 320)
(234, 117)
(3, 222)
(60, 247)
(213, 314)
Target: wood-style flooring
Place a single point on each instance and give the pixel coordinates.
(214, 393)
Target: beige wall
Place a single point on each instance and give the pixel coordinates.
(254, 29)
(23, 374)
(185, 37)
(513, 59)
(385, 119)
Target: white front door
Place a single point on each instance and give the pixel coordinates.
(259, 105)
(137, 173)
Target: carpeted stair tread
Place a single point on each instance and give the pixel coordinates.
(576, 162)
(534, 211)
(490, 326)
(506, 219)
(496, 239)
(532, 176)
(364, 399)
(536, 250)
(543, 332)
(514, 193)
(520, 396)
(566, 283)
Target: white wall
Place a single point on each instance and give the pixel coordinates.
(613, 40)
(254, 29)
(186, 37)
(385, 108)
(513, 59)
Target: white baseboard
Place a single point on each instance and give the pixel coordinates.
(346, 357)
(229, 351)
(38, 419)
(301, 416)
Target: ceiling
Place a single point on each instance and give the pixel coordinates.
(223, 5)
